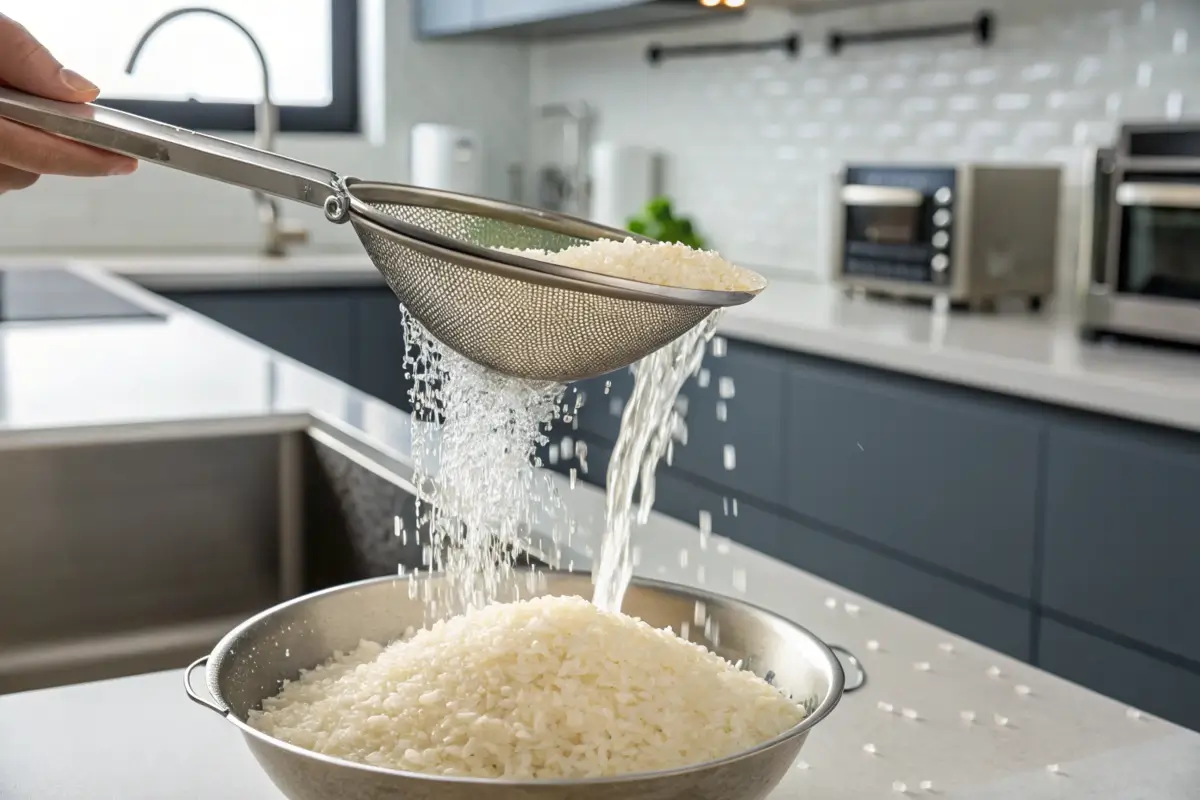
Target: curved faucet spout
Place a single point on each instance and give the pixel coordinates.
(266, 124)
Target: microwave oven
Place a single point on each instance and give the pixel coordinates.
(1145, 269)
(974, 233)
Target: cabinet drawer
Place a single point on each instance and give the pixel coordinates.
(1162, 689)
(947, 476)
(976, 616)
(751, 526)
(752, 423)
(1123, 531)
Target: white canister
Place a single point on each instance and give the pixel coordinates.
(445, 157)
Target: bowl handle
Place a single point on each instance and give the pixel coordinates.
(191, 693)
(853, 684)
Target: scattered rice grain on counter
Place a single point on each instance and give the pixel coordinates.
(546, 688)
(660, 263)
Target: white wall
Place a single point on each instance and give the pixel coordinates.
(477, 85)
(753, 140)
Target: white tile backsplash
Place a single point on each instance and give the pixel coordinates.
(753, 141)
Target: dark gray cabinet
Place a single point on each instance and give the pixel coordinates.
(1160, 688)
(919, 469)
(379, 350)
(749, 425)
(354, 335)
(313, 327)
(1123, 532)
(961, 610)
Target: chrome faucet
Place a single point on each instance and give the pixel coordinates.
(280, 232)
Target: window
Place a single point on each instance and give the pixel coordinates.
(200, 72)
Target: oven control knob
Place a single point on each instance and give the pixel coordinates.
(941, 218)
(941, 239)
(943, 195)
(940, 262)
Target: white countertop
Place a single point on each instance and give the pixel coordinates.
(140, 738)
(1038, 357)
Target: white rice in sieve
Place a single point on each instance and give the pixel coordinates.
(659, 263)
(546, 688)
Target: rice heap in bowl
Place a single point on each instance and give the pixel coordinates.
(659, 263)
(541, 689)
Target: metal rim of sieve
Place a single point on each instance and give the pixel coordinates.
(364, 194)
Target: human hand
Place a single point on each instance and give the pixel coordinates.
(25, 153)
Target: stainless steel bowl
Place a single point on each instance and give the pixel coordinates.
(250, 663)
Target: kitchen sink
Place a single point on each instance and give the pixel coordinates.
(135, 551)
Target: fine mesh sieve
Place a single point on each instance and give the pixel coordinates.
(519, 316)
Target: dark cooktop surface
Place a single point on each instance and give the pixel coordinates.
(37, 295)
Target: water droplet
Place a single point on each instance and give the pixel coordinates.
(1054, 769)
(722, 411)
(735, 507)
(730, 457)
(886, 708)
(636, 554)
(703, 378)
(922, 666)
(900, 787)
(685, 630)
(1133, 713)
(725, 505)
(801, 765)
(872, 644)
(994, 672)
(683, 559)
(725, 388)
(967, 716)
(926, 786)
(870, 749)
(831, 603)
(852, 609)
(701, 575)
(946, 647)
(607, 387)
(719, 347)
(1022, 690)
(910, 713)
(1001, 720)
(699, 613)
(574, 477)
(705, 522)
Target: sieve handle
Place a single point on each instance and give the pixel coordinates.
(181, 149)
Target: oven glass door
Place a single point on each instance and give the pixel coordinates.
(1160, 239)
(887, 233)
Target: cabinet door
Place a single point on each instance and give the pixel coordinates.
(1162, 689)
(750, 424)
(445, 17)
(313, 327)
(1123, 531)
(1005, 627)
(379, 349)
(923, 469)
(749, 429)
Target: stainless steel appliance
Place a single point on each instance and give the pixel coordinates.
(1145, 273)
(974, 233)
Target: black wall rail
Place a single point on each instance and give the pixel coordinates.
(982, 29)
(657, 53)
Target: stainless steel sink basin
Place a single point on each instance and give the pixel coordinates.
(135, 550)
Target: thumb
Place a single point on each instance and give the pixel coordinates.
(26, 65)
